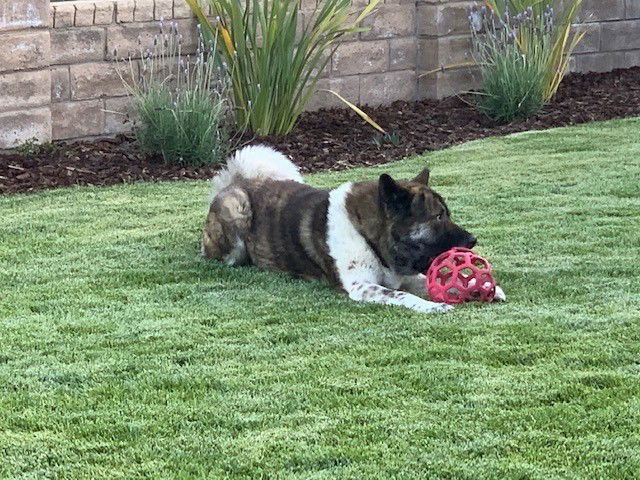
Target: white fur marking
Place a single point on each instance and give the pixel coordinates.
(370, 292)
(354, 259)
(499, 295)
(237, 253)
(422, 231)
(256, 161)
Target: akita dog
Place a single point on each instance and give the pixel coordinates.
(373, 240)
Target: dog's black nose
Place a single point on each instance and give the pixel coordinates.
(471, 241)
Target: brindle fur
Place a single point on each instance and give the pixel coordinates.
(288, 229)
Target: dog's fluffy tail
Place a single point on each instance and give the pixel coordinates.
(256, 161)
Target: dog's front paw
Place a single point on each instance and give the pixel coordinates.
(499, 295)
(443, 308)
(432, 307)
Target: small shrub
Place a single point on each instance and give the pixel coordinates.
(180, 101)
(512, 83)
(542, 33)
(34, 147)
(274, 67)
(391, 138)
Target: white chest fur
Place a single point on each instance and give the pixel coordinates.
(360, 271)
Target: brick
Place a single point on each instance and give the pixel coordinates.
(125, 11)
(348, 87)
(25, 89)
(427, 56)
(77, 45)
(120, 115)
(453, 50)
(129, 40)
(598, 10)
(390, 21)
(96, 80)
(181, 9)
(60, 86)
(383, 88)
(104, 13)
(361, 57)
(600, 62)
(440, 20)
(144, 11)
(85, 13)
(633, 9)
(591, 40)
(26, 49)
(448, 83)
(326, 71)
(402, 53)
(163, 9)
(77, 119)
(64, 15)
(124, 38)
(632, 58)
(624, 35)
(19, 126)
(20, 15)
(447, 51)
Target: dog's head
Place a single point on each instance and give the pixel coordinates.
(418, 226)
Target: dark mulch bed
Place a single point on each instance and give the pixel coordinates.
(334, 139)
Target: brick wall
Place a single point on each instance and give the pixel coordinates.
(24, 72)
(613, 35)
(58, 81)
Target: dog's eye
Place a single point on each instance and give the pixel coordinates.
(439, 217)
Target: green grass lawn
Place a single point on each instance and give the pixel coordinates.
(125, 355)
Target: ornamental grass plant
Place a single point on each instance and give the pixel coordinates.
(274, 64)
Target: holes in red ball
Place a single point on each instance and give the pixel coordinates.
(481, 263)
(459, 260)
(453, 295)
(459, 275)
(466, 272)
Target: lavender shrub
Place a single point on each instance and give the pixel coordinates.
(181, 101)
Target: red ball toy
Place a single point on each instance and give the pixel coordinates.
(459, 275)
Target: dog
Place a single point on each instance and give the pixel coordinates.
(372, 240)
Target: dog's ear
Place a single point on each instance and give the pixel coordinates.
(423, 177)
(393, 197)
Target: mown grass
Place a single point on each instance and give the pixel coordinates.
(125, 355)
